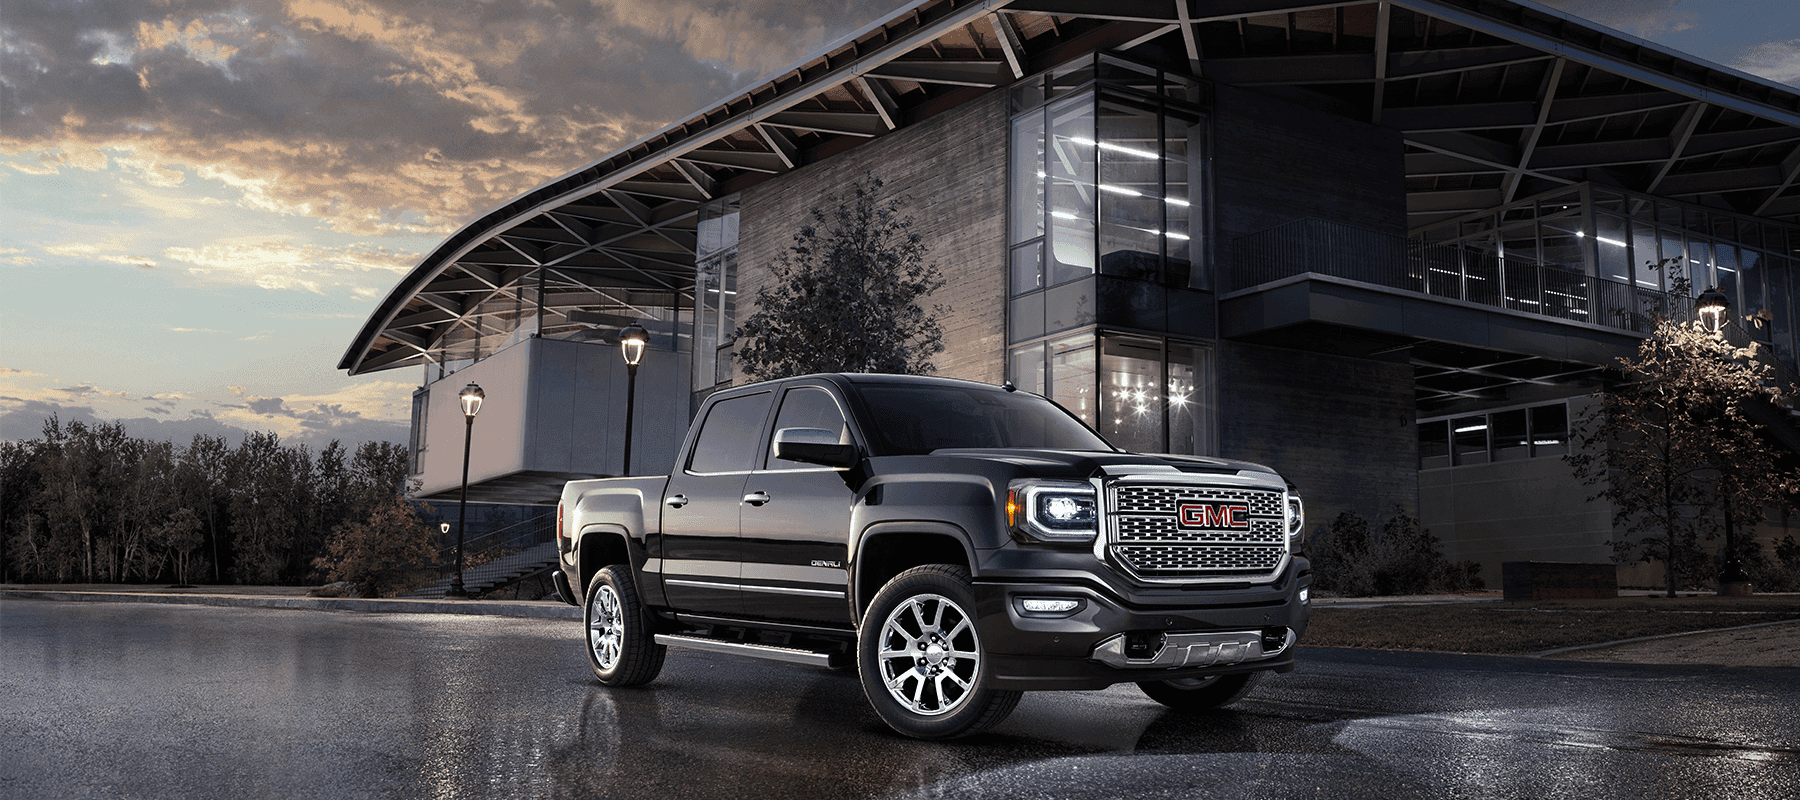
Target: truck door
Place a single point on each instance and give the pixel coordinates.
(700, 554)
(795, 522)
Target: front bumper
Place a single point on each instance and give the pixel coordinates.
(1115, 637)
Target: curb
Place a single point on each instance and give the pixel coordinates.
(1581, 647)
(483, 608)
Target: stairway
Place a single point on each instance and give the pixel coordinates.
(498, 573)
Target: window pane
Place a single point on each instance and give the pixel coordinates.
(1131, 376)
(1756, 299)
(1470, 439)
(1614, 247)
(808, 407)
(1190, 394)
(1550, 430)
(1071, 171)
(1028, 368)
(1181, 153)
(1510, 440)
(1643, 255)
(1069, 306)
(1434, 444)
(1028, 267)
(1699, 266)
(1130, 192)
(1072, 375)
(1779, 299)
(1028, 177)
(1725, 275)
(1025, 317)
(728, 438)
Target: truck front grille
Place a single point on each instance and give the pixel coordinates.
(1177, 533)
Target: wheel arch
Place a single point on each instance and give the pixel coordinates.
(887, 549)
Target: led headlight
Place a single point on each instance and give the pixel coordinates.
(1054, 511)
(1296, 517)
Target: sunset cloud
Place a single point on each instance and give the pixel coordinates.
(283, 266)
(376, 118)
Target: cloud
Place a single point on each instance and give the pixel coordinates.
(1777, 61)
(1645, 19)
(284, 266)
(95, 253)
(377, 119)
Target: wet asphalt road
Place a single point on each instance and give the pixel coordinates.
(152, 701)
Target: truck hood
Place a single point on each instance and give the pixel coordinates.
(1083, 465)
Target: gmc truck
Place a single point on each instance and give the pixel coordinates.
(955, 543)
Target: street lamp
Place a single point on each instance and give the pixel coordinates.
(471, 398)
(1712, 306)
(631, 345)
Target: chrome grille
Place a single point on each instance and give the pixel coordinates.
(1146, 537)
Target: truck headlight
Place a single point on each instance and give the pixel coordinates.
(1296, 517)
(1054, 511)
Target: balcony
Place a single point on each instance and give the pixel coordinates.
(1320, 247)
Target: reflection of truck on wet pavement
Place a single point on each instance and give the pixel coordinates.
(957, 543)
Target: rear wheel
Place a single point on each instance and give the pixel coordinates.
(620, 647)
(921, 660)
(1201, 694)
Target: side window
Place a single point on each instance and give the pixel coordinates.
(807, 407)
(728, 437)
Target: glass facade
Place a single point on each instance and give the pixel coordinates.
(1106, 235)
(1540, 431)
(715, 293)
(1640, 250)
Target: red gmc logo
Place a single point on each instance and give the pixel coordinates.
(1210, 515)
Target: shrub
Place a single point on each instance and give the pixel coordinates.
(384, 555)
(1350, 558)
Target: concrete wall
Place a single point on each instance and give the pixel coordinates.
(950, 173)
(1340, 428)
(1275, 162)
(1531, 510)
(555, 407)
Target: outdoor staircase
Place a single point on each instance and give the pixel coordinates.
(505, 571)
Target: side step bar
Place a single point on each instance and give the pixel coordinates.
(771, 652)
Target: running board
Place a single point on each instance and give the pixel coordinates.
(771, 652)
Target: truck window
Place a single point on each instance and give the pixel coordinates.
(913, 420)
(808, 407)
(728, 436)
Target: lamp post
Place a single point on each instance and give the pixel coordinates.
(631, 344)
(1712, 306)
(471, 397)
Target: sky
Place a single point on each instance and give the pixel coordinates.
(201, 201)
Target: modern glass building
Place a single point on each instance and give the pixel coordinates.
(1391, 248)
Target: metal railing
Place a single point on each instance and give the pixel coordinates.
(1322, 247)
(517, 536)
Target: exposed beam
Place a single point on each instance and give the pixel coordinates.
(697, 177)
(1010, 45)
(1684, 130)
(1790, 168)
(1382, 11)
(1528, 145)
(981, 74)
(881, 100)
(779, 142)
(843, 123)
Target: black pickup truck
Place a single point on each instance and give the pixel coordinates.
(956, 543)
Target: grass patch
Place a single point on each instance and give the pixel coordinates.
(1503, 628)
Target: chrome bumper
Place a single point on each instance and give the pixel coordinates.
(1211, 649)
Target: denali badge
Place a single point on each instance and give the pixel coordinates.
(823, 563)
(1215, 515)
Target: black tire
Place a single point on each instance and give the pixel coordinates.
(619, 644)
(1201, 694)
(921, 660)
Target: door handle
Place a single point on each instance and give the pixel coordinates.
(757, 498)
(677, 501)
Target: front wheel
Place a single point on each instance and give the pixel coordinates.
(921, 660)
(1201, 694)
(620, 646)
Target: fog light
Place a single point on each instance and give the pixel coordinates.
(1049, 605)
(1305, 595)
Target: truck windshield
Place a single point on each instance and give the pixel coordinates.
(914, 420)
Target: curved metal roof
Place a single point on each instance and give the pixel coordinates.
(1495, 100)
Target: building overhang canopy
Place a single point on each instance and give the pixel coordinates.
(1495, 100)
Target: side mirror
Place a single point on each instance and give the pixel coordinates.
(814, 446)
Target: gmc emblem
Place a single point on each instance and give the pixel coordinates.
(1217, 516)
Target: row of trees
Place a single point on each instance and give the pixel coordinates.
(89, 503)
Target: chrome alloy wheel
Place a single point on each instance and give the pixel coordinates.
(606, 626)
(929, 655)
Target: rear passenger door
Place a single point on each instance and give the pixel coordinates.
(700, 551)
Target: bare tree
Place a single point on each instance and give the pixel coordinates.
(845, 297)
